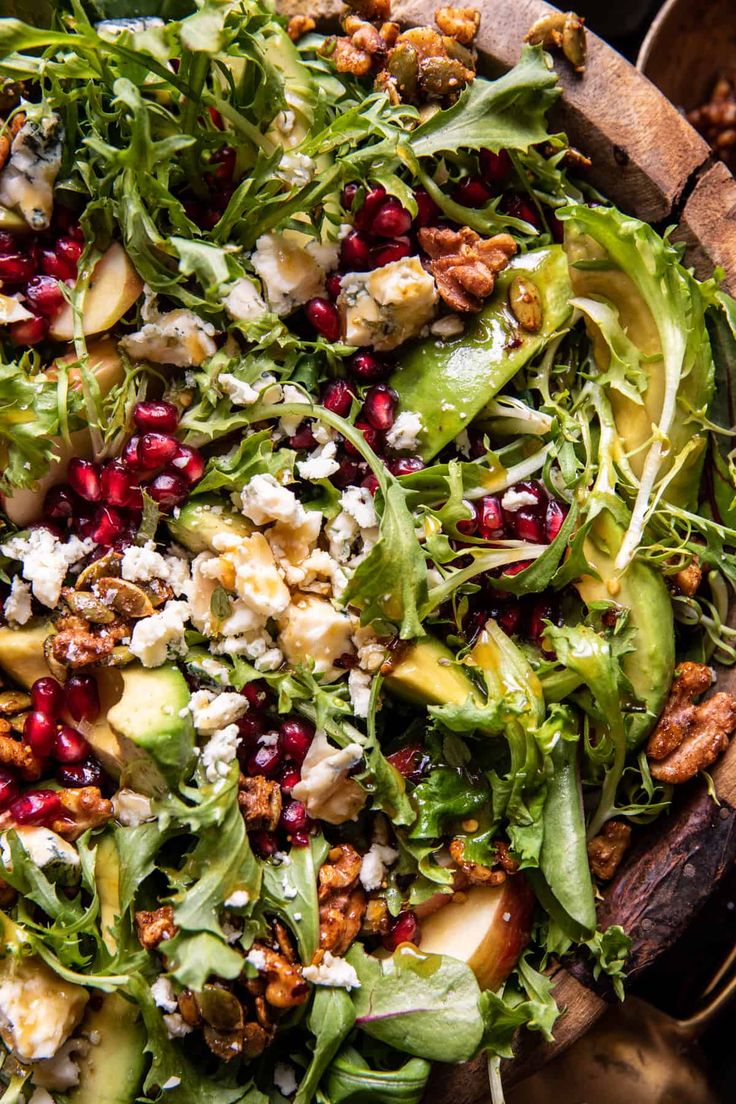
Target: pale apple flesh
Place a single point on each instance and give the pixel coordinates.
(24, 506)
(487, 927)
(113, 289)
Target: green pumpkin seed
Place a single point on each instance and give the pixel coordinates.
(526, 303)
(107, 566)
(124, 597)
(14, 701)
(441, 76)
(574, 44)
(220, 1008)
(403, 65)
(87, 606)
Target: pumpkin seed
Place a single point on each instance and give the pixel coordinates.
(18, 722)
(107, 566)
(158, 591)
(548, 30)
(120, 656)
(574, 44)
(13, 701)
(403, 65)
(526, 303)
(220, 1008)
(460, 53)
(124, 597)
(222, 1044)
(440, 76)
(87, 606)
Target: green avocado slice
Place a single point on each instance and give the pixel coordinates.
(199, 521)
(448, 383)
(426, 674)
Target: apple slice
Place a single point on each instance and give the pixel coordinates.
(488, 928)
(114, 287)
(24, 506)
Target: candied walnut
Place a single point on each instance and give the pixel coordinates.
(84, 808)
(347, 57)
(561, 31)
(606, 850)
(389, 33)
(716, 119)
(155, 927)
(459, 23)
(376, 11)
(504, 857)
(364, 36)
(688, 579)
(284, 985)
(465, 265)
(259, 801)
(689, 737)
(285, 944)
(8, 134)
(474, 873)
(18, 756)
(342, 900)
(298, 26)
(76, 644)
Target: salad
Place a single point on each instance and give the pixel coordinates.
(368, 534)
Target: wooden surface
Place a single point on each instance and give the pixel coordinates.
(687, 44)
(651, 163)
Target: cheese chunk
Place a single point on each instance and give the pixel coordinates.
(38, 1009)
(388, 306)
(312, 629)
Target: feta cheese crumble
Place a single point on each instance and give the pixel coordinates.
(358, 503)
(163, 994)
(237, 900)
(46, 561)
(17, 606)
(387, 306)
(141, 564)
(404, 433)
(153, 635)
(284, 1078)
(210, 711)
(375, 864)
(264, 500)
(516, 500)
(320, 464)
(311, 629)
(325, 789)
(238, 391)
(220, 752)
(333, 972)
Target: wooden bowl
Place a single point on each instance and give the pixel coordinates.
(651, 163)
(688, 44)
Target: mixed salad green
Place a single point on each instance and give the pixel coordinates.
(368, 533)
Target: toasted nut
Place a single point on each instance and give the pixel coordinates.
(441, 76)
(86, 605)
(347, 57)
(17, 722)
(14, 701)
(403, 66)
(689, 737)
(124, 597)
(298, 26)
(366, 37)
(547, 31)
(688, 579)
(389, 33)
(574, 44)
(459, 23)
(526, 303)
(386, 83)
(155, 927)
(605, 851)
(108, 566)
(120, 656)
(220, 1008)
(57, 669)
(426, 41)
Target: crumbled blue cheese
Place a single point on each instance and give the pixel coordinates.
(333, 972)
(449, 325)
(516, 500)
(403, 436)
(311, 629)
(256, 958)
(264, 500)
(255, 576)
(27, 181)
(238, 899)
(58, 859)
(289, 424)
(46, 561)
(38, 1009)
(325, 789)
(238, 391)
(113, 28)
(210, 711)
(284, 1078)
(152, 636)
(220, 752)
(359, 688)
(320, 464)
(358, 503)
(375, 864)
(164, 995)
(176, 1025)
(341, 531)
(131, 808)
(243, 302)
(17, 606)
(142, 563)
(387, 306)
(292, 268)
(178, 337)
(296, 169)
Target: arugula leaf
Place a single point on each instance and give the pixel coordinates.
(446, 795)
(610, 950)
(350, 1078)
(300, 874)
(254, 456)
(525, 1001)
(32, 407)
(331, 1019)
(424, 1004)
(508, 113)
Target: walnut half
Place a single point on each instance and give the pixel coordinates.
(465, 265)
(689, 737)
(606, 850)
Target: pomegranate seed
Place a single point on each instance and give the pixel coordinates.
(348, 194)
(59, 267)
(168, 490)
(371, 482)
(263, 843)
(517, 568)
(409, 761)
(528, 525)
(77, 775)
(8, 242)
(50, 526)
(84, 478)
(471, 192)
(35, 807)
(251, 727)
(518, 206)
(371, 205)
(541, 613)
(295, 738)
(556, 228)
(554, 519)
(16, 268)
(490, 517)
(223, 161)
(391, 220)
(129, 455)
(189, 462)
(47, 695)
(348, 474)
(28, 332)
(337, 396)
(379, 406)
(69, 249)
(404, 929)
(406, 465)
(44, 294)
(156, 417)
(289, 778)
(333, 283)
(59, 503)
(300, 839)
(75, 231)
(69, 746)
(495, 166)
(427, 209)
(372, 436)
(39, 731)
(82, 698)
(265, 759)
(324, 317)
(216, 118)
(108, 525)
(393, 251)
(355, 252)
(155, 450)
(9, 788)
(509, 618)
(294, 817)
(468, 526)
(255, 693)
(534, 488)
(115, 484)
(368, 367)
(303, 439)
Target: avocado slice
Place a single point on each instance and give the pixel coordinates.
(199, 521)
(426, 674)
(640, 589)
(448, 383)
(154, 726)
(21, 651)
